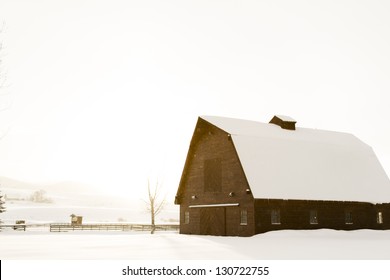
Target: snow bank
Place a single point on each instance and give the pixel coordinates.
(279, 245)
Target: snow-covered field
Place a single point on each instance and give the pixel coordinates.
(89, 251)
(281, 245)
(39, 243)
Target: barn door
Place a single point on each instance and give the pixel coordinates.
(213, 221)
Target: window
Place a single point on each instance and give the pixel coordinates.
(244, 217)
(275, 217)
(313, 217)
(212, 175)
(379, 218)
(348, 218)
(186, 217)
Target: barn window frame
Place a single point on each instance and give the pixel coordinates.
(275, 217)
(186, 217)
(379, 217)
(348, 218)
(313, 217)
(244, 217)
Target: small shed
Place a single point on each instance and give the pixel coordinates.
(20, 225)
(76, 220)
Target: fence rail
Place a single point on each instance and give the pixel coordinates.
(64, 227)
(112, 227)
(15, 227)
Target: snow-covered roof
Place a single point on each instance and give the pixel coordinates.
(305, 163)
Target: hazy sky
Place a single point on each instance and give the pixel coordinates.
(108, 92)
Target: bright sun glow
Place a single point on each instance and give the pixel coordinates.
(108, 93)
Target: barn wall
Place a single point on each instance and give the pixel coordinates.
(209, 143)
(295, 214)
(213, 171)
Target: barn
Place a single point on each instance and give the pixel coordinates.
(243, 177)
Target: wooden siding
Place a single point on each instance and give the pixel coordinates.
(295, 214)
(213, 220)
(211, 143)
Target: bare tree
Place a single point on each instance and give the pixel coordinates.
(2, 201)
(154, 204)
(2, 208)
(40, 197)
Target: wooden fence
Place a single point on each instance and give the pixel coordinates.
(64, 227)
(15, 227)
(112, 227)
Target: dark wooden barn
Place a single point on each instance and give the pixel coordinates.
(243, 178)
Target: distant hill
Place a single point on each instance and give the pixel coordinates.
(63, 187)
(72, 197)
(62, 193)
(6, 183)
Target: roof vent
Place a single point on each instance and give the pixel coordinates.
(284, 122)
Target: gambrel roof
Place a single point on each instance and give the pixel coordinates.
(307, 164)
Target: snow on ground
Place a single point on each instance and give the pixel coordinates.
(40, 244)
(280, 245)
